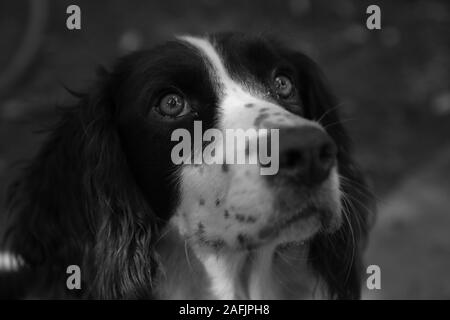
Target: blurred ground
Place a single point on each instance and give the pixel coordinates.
(393, 84)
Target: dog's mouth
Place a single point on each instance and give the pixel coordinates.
(274, 229)
(297, 227)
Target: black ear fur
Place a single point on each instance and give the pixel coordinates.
(77, 203)
(337, 258)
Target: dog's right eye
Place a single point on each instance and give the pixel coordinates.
(173, 105)
(283, 86)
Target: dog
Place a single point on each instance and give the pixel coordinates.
(104, 194)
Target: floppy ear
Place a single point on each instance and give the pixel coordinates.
(77, 203)
(337, 257)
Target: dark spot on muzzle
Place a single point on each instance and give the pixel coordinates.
(259, 119)
(245, 218)
(242, 239)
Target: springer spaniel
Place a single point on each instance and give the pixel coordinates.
(104, 193)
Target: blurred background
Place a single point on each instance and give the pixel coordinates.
(393, 85)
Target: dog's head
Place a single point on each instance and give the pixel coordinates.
(229, 97)
(253, 102)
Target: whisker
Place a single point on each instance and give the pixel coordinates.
(165, 232)
(359, 202)
(359, 187)
(345, 213)
(187, 255)
(356, 215)
(328, 125)
(328, 111)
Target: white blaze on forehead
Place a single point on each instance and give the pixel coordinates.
(233, 97)
(206, 48)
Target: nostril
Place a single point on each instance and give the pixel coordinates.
(327, 153)
(307, 155)
(292, 158)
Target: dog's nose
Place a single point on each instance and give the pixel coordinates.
(307, 154)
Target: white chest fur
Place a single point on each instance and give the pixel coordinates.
(267, 273)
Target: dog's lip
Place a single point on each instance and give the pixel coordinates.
(279, 225)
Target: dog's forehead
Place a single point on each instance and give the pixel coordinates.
(235, 66)
(212, 59)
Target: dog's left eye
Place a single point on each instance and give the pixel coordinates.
(283, 86)
(173, 105)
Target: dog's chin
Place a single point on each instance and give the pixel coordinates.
(296, 216)
(299, 226)
(286, 228)
(301, 213)
(296, 228)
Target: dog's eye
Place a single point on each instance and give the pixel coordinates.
(283, 86)
(173, 105)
